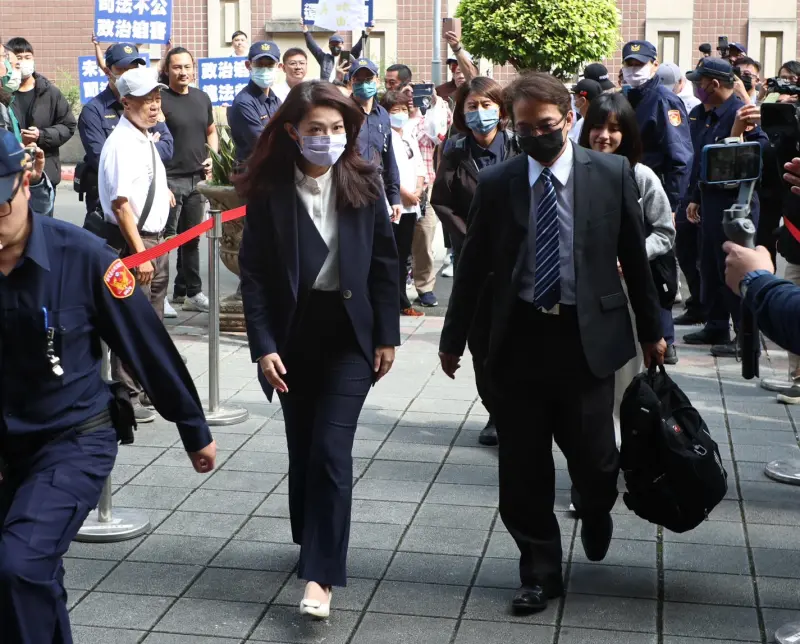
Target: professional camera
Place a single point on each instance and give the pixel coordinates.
(705, 49)
(732, 164)
(781, 121)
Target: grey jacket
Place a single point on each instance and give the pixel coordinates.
(657, 211)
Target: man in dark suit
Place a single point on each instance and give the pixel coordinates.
(550, 226)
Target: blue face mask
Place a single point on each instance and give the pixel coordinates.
(365, 90)
(482, 121)
(398, 119)
(264, 77)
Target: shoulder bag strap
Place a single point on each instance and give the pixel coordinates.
(151, 191)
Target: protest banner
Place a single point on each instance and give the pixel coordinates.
(137, 21)
(338, 15)
(222, 78)
(91, 79)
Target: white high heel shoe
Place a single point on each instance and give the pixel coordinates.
(316, 608)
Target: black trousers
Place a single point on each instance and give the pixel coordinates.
(188, 212)
(687, 250)
(403, 238)
(328, 378)
(543, 389)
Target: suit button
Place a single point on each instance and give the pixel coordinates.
(347, 295)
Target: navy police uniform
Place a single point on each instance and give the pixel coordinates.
(252, 109)
(661, 115)
(57, 443)
(101, 115)
(375, 139)
(709, 127)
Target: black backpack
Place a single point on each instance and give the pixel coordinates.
(673, 470)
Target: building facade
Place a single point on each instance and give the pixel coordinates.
(61, 30)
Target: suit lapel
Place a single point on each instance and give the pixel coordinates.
(581, 201)
(520, 190)
(283, 205)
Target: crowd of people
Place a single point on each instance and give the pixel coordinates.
(566, 212)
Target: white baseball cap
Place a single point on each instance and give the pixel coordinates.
(138, 82)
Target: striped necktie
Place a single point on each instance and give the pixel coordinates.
(547, 285)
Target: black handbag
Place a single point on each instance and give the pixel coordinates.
(665, 275)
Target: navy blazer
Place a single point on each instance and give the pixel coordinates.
(277, 271)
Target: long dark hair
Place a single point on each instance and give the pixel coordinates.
(271, 164)
(163, 74)
(600, 109)
(481, 86)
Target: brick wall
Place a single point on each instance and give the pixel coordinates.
(46, 22)
(260, 12)
(633, 22)
(415, 35)
(190, 26)
(714, 18)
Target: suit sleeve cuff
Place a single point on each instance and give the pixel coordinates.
(195, 435)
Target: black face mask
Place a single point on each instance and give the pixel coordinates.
(336, 50)
(543, 148)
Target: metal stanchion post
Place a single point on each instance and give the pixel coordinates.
(784, 470)
(216, 414)
(788, 634)
(108, 526)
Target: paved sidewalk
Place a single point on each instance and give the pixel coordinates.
(430, 561)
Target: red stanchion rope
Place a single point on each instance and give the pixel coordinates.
(132, 261)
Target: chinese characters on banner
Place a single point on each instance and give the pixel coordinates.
(91, 79)
(338, 15)
(222, 78)
(139, 21)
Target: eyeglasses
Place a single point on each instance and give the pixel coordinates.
(539, 130)
(296, 64)
(7, 204)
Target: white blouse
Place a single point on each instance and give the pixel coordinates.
(319, 197)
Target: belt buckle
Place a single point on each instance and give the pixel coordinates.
(556, 310)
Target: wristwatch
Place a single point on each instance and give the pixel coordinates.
(749, 277)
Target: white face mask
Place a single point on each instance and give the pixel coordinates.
(637, 76)
(26, 68)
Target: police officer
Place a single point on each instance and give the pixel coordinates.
(62, 291)
(375, 138)
(256, 104)
(723, 114)
(666, 141)
(101, 115)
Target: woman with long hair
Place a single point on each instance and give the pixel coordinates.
(319, 286)
(611, 127)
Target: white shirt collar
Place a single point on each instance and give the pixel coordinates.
(561, 169)
(126, 124)
(320, 183)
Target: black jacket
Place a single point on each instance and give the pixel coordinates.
(52, 115)
(456, 182)
(607, 223)
(278, 271)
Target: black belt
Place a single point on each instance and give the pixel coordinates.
(146, 235)
(32, 443)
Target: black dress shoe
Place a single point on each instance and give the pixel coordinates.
(596, 536)
(533, 599)
(707, 336)
(688, 318)
(488, 435)
(726, 350)
(671, 356)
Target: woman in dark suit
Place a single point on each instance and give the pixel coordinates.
(319, 286)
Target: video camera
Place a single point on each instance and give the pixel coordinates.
(729, 164)
(722, 47)
(781, 121)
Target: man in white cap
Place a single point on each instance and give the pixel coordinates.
(135, 198)
(672, 77)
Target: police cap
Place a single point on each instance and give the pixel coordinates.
(363, 63)
(264, 49)
(641, 50)
(712, 68)
(123, 55)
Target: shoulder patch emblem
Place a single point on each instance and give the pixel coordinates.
(675, 117)
(119, 280)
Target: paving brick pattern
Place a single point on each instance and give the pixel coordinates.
(430, 561)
